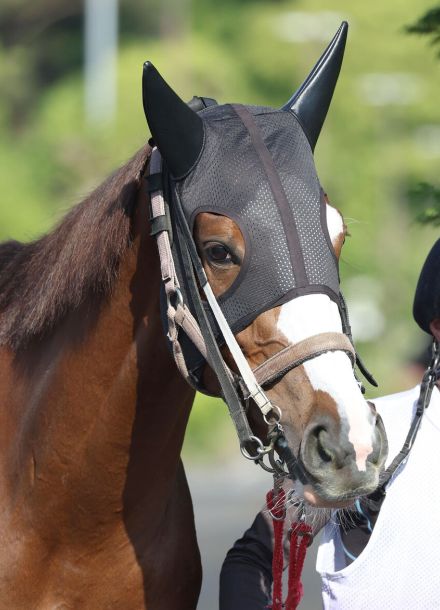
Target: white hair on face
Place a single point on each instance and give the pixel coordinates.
(335, 224)
(331, 372)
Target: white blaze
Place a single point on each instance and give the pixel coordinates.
(332, 372)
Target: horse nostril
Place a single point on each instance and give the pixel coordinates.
(324, 450)
(321, 435)
(337, 467)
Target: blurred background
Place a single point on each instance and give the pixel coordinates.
(71, 111)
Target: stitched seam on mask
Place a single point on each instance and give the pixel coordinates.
(290, 229)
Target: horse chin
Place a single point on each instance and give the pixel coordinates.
(313, 499)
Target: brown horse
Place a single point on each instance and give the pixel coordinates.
(95, 510)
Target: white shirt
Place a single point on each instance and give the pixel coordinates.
(399, 569)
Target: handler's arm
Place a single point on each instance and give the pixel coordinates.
(246, 575)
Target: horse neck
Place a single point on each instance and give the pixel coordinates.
(100, 408)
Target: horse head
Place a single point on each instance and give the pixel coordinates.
(269, 242)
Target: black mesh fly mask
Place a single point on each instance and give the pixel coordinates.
(257, 168)
(254, 165)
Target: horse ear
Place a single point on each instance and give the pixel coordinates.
(312, 100)
(176, 129)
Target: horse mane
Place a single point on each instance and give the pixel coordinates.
(42, 281)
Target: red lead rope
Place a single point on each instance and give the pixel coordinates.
(300, 534)
(299, 540)
(277, 508)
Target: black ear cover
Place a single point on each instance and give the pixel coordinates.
(177, 130)
(310, 103)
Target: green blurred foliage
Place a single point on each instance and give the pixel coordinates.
(425, 199)
(428, 25)
(372, 147)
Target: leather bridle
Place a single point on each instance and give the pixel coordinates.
(430, 378)
(168, 225)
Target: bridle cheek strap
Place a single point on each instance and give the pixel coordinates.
(254, 389)
(294, 355)
(178, 314)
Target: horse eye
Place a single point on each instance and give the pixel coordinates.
(217, 253)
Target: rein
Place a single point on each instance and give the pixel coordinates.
(428, 382)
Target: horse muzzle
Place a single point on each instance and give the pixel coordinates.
(332, 467)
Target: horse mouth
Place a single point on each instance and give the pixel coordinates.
(322, 499)
(340, 493)
(313, 499)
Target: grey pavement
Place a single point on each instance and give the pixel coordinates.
(226, 498)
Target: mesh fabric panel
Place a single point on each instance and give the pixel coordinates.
(230, 179)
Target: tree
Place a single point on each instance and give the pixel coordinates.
(428, 25)
(424, 197)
